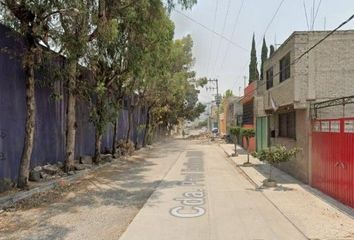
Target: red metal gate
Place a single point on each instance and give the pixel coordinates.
(333, 158)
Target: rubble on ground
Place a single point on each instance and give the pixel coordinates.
(127, 148)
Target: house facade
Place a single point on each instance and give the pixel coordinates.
(232, 112)
(248, 116)
(294, 81)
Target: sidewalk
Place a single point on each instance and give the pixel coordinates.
(314, 213)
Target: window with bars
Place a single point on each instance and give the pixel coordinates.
(287, 125)
(247, 117)
(269, 77)
(285, 68)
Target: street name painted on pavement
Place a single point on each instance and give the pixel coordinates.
(191, 204)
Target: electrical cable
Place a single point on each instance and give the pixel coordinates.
(210, 30)
(233, 33)
(303, 54)
(212, 40)
(265, 31)
(222, 32)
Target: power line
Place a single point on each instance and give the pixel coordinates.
(272, 19)
(265, 31)
(211, 42)
(210, 30)
(318, 8)
(222, 32)
(307, 18)
(232, 34)
(305, 53)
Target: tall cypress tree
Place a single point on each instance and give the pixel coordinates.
(264, 56)
(253, 70)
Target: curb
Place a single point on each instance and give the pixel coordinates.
(313, 191)
(238, 167)
(8, 201)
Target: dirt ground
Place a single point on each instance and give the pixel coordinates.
(99, 206)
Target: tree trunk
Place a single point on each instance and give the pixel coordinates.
(147, 126)
(114, 142)
(130, 123)
(248, 154)
(71, 119)
(30, 121)
(98, 138)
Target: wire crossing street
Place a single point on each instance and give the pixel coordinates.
(204, 197)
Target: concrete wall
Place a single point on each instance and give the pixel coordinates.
(298, 167)
(282, 92)
(325, 73)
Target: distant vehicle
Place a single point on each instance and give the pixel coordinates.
(215, 130)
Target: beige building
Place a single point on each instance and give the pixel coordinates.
(232, 112)
(292, 84)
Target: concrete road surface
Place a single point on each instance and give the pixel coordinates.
(203, 197)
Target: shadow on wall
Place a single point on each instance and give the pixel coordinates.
(49, 142)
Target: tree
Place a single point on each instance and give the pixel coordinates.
(228, 93)
(248, 133)
(235, 133)
(253, 67)
(271, 50)
(186, 4)
(31, 20)
(264, 56)
(179, 99)
(73, 37)
(276, 155)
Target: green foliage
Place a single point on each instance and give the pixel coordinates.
(264, 56)
(253, 67)
(248, 133)
(228, 93)
(203, 124)
(276, 155)
(235, 131)
(185, 4)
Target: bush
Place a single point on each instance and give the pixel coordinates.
(276, 155)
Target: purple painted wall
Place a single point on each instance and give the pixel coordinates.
(49, 142)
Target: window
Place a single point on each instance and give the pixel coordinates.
(269, 77)
(287, 125)
(349, 126)
(285, 68)
(247, 117)
(335, 126)
(325, 126)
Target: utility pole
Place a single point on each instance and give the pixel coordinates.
(215, 86)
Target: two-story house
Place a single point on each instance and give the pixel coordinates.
(293, 83)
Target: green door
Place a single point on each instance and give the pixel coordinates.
(261, 133)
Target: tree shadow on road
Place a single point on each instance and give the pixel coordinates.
(118, 186)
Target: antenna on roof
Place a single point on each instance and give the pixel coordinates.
(307, 18)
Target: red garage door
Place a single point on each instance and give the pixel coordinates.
(333, 158)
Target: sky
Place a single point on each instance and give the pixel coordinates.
(226, 58)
